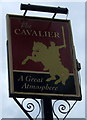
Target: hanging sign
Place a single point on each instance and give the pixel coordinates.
(41, 58)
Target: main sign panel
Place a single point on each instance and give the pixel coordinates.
(41, 58)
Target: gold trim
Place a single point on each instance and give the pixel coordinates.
(34, 72)
(10, 53)
(46, 94)
(72, 50)
(30, 71)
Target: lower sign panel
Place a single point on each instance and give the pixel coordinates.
(38, 85)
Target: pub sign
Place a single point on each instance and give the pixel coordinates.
(41, 58)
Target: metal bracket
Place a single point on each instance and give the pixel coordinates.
(54, 10)
(28, 106)
(78, 65)
(63, 108)
(30, 118)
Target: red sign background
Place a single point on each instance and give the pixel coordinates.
(22, 42)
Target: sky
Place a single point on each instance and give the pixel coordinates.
(77, 16)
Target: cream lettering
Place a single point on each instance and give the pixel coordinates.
(27, 32)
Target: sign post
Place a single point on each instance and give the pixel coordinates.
(42, 61)
(47, 110)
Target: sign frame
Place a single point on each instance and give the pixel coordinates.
(12, 92)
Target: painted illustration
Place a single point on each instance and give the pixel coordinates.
(50, 58)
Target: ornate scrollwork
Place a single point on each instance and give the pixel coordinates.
(31, 105)
(59, 106)
(64, 107)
